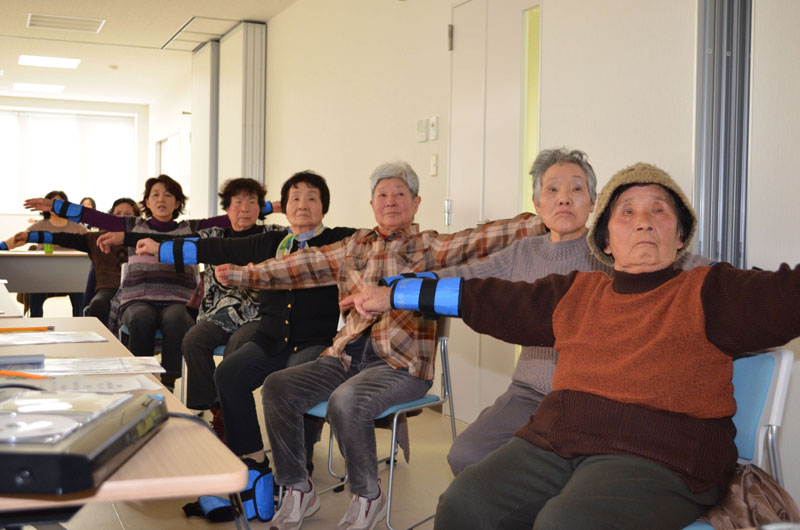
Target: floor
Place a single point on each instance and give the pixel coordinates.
(417, 484)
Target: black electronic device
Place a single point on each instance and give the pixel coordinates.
(54, 444)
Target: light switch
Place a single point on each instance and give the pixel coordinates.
(433, 128)
(422, 130)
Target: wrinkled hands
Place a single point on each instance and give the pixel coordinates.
(222, 272)
(105, 241)
(40, 204)
(147, 246)
(370, 302)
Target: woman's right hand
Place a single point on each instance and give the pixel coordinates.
(40, 204)
(107, 240)
(147, 246)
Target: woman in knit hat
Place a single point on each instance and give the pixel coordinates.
(637, 432)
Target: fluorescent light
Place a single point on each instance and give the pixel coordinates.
(38, 87)
(49, 62)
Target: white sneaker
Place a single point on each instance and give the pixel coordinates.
(297, 505)
(363, 513)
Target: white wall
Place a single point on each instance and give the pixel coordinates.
(171, 115)
(346, 83)
(773, 216)
(618, 81)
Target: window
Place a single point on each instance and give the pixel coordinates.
(80, 154)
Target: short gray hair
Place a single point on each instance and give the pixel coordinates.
(550, 157)
(398, 169)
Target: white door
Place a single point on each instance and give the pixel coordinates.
(486, 164)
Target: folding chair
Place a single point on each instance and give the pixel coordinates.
(427, 401)
(760, 385)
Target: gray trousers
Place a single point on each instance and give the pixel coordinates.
(355, 397)
(198, 350)
(494, 426)
(520, 486)
(143, 319)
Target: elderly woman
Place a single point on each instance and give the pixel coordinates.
(637, 432)
(372, 364)
(294, 326)
(564, 195)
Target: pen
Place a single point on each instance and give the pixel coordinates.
(26, 375)
(32, 328)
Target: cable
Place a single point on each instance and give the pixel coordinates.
(192, 417)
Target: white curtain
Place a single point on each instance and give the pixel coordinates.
(82, 155)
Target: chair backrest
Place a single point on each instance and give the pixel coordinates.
(760, 385)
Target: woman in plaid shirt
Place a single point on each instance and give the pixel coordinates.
(373, 363)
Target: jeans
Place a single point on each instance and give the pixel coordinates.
(520, 486)
(355, 397)
(36, 303)
(143, 319)
(198, 351)
(241, 372)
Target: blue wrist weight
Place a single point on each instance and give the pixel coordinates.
(187, 249)
(428, 296)
(3, 245)
(40, 237)
(258, 500)
(71, 211)
(267, 209)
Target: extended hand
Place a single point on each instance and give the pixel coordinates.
(20, 238)
(40, 204)
(147, 246)
(108, 239)
(370, 302)
(221, 273)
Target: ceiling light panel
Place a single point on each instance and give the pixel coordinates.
(49, 62)
(87, 25)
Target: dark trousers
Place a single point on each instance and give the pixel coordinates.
(100, 305)
(36, 303)
(143, 319)
(520, 486)
(198, 351)
(237, 376)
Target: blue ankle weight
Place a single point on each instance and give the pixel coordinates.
(259, 497)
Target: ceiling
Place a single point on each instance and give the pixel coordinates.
(142, 49)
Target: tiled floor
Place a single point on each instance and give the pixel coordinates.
(417, 484)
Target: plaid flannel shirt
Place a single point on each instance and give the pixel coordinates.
(403, 339)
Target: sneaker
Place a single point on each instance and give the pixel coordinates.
(217, 422)
(297, 505)
(363, 513)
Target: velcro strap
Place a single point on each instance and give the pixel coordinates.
(177, 251)
(427, 295)
(248, 494)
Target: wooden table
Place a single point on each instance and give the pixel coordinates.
(184, 459)
(8, 306)
(33, 271)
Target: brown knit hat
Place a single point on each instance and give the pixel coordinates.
(640, 173)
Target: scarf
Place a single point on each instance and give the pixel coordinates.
(286, 244)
